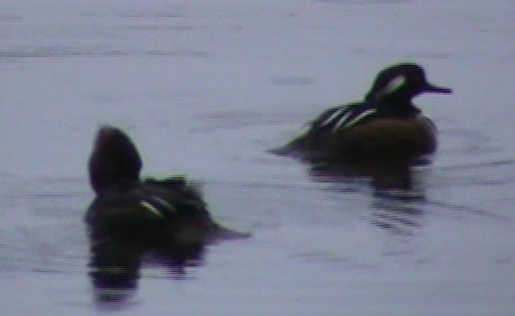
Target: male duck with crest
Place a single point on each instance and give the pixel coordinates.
(151, 213)
(386, 125)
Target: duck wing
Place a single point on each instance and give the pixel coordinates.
(343, 118)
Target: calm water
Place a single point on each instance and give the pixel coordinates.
(205, 88)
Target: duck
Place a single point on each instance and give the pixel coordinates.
(160, 213)
(385, 125)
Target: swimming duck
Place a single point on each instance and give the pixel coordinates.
(162, 213)
(385, 125)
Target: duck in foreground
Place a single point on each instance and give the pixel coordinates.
(168, 213)
(385, 125)
(130, 216)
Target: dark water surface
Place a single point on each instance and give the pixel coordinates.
(205, 88)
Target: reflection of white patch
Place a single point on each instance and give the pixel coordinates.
(392, 86)
(151, 208)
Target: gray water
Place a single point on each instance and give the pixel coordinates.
(205, 88)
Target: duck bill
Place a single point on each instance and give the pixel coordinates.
(431, 88)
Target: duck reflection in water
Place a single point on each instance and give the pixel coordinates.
(397, 190)
(131, 220)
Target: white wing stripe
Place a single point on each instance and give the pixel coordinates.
(164, 203)
(341, 121)
(360, 117)
(332, 116)
(151, 208)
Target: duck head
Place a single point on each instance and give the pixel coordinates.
(400, 84)
(114, 160)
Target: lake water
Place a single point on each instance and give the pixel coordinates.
(205, 88)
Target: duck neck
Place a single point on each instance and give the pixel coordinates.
(398, 108)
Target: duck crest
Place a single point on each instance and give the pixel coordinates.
(400, 84)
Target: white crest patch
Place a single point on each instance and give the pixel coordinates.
(392, 86)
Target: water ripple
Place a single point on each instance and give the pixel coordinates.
(62, 52)
(364, 2)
